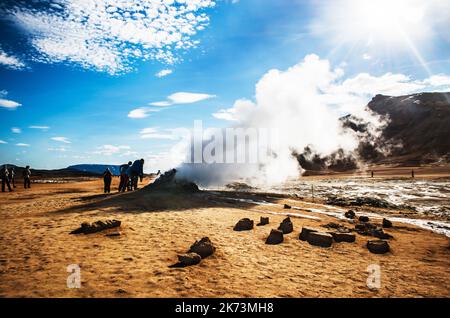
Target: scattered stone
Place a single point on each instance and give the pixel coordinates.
(87, 228)
(350, 214)
(378, 247)
(369, 229)
(189, 259)
(275, 237)
(204, 247)
(286, 226)
(387, 224)
(129, 259)
(115, 234)
(287, 207)
(364, 219)
(244, 225)
(343, 237)
(338, 227)
(362, 201)
(263, 221)
(305, 233)
(320, 239)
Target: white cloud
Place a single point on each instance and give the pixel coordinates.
(39, 127)
(22, 145)
(9, 104)
(11, 62)
(58, 149)
(188, 98)
(142, 112)
(16, 130)
(366, 57)
(3, 142)
(163, 73)
(109, 150)
(161, 104)
(109, 35)
(155, 133)
(61, 139)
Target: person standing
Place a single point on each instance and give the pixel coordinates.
(107, 178)
(26, 177)
(137, 172)
(123, 185)
(4, 174)
(12, 177)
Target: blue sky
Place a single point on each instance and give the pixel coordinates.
(72, 91)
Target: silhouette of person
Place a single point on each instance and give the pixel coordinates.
(26, 177)
(107, 178)
(4, 174)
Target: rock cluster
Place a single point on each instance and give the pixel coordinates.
(369, 229)
(88, 228)
(361, 201)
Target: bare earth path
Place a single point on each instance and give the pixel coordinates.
(36, 250)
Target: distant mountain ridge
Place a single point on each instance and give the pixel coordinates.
(96, 168)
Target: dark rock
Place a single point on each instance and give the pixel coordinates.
(343, 237)
(361, 201)
(286, 226)
(378, 247)
(287, 206)
(275, 237)
(244, 225)
(379, 233)
(387, 224)
(350, 214)
(320, 239)
(189, 259)
(305, 233)
(87, 228)
(364, 219)
(204, 247)
(338, 227)
(263, 221)
(115, 234)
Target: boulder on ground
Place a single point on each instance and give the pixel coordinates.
(244, 225)
(350, 214)
(275, 237)
(189, 259)
(204, 247)
(306, 231)
(320, 239)
(369, 229)
(379, 233)
(343, 237)
(286, 226)
(263, 221)
(387, 224)
(87, 228)
(287, 206)
(378, 247)
(364, 219)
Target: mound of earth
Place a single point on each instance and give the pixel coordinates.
(169, 182)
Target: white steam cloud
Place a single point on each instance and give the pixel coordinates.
(303, 105)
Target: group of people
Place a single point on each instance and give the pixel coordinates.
(8, 177)
(130, 173)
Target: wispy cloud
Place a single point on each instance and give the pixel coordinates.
(163, 73)
(142, 112)
(39, 127)
(61, 139)
(183, 98)
(3, 142)
(10, 104)
(155, 133)
(108, 36)
(10, 61)
(109, 150)
(16, 130)
(20, 144)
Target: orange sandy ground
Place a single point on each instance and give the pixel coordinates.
(36, 250)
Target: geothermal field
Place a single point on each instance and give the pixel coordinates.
(146, 254)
